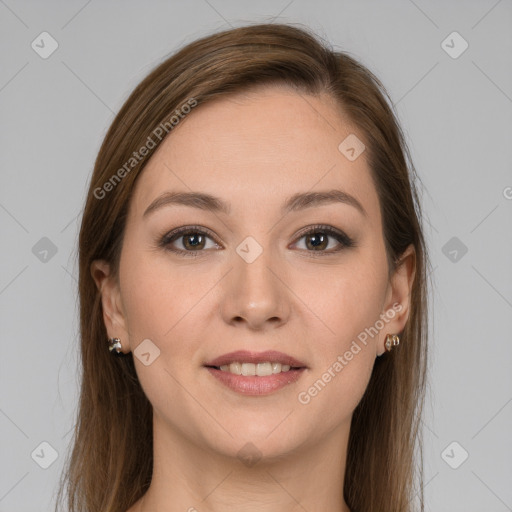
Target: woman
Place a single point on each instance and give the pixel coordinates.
(251, 249)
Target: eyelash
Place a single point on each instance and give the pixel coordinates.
(170, 237)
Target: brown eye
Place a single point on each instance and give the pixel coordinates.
(317, 241)
(188, 241)
(193, 241)
(319, 238)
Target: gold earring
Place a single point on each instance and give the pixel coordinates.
(392, 340)
(114, 343)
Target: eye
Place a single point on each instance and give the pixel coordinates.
(317, 239)
(190, 240)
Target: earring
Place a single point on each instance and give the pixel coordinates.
(392, 340)
(114, 343)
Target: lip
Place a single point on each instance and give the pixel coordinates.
(254, 385)
(245, 356)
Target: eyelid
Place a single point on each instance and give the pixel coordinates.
(325, 228)
(190, 229)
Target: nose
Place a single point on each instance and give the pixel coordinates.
(255, 294)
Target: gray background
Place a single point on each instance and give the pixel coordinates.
(456, 112)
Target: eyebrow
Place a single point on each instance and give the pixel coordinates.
(296, 202)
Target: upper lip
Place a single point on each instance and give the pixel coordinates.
(245, 356)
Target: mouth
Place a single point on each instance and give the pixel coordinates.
(262, 369)
(243, 362)
(256, 373)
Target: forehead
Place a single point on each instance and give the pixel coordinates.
(258, 146)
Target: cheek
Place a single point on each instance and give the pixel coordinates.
(155, 296)
(159, 301)
(345, 355)
(349, 306)
(344, 302)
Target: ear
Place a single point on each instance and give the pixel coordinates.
(113, 313)
(397, 304)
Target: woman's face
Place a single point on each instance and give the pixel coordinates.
(250, 279)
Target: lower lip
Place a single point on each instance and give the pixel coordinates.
(254, 385)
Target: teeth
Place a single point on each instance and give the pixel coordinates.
(233, 368)
(259, 369)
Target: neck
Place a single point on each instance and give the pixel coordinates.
(191, 477)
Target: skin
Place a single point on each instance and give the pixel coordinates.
(254, 150)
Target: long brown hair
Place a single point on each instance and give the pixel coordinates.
(110, 466)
